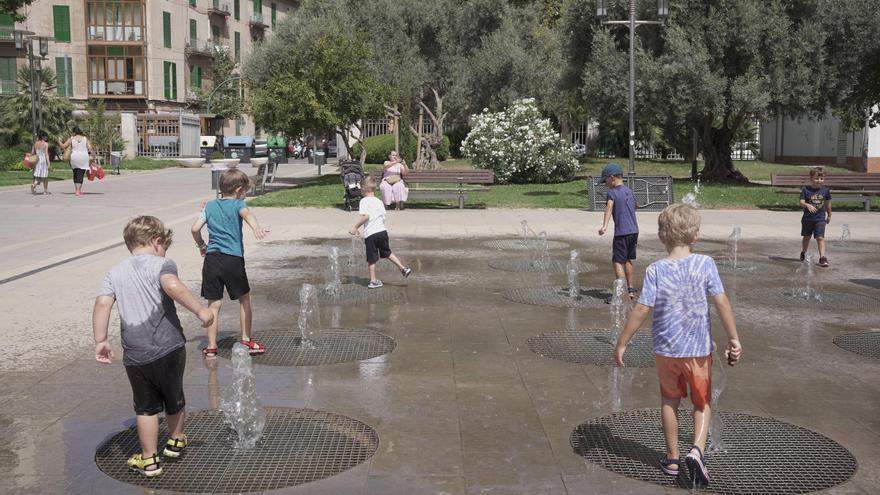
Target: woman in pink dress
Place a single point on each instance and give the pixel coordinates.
(393, 188)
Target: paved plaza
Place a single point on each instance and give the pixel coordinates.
(462, 403)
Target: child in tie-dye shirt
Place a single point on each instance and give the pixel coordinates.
(678, 289)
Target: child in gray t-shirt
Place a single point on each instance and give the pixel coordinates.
(146, 286)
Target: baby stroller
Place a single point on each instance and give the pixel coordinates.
(352, 175)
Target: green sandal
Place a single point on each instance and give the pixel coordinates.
(174, 447)
(143, 466)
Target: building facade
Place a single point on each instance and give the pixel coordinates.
(141, 55)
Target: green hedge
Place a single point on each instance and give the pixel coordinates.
(10, 158)
(378, 148)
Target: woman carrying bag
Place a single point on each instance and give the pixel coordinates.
(78, 149)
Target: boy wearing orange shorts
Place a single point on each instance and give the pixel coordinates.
(678, 289)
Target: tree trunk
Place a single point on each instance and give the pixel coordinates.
(718, 165)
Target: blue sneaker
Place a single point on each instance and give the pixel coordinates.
(374, 284)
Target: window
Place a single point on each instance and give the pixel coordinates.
(195, 77)
(237, 47)
(166, 28)
(236, 9)
(115, 21)
(7, 26)
(8, 71)
(61, 18)
(192, 3)
(170, 81)
(64, 73)
(215, 33)
(258, 7)
(274, 13)
(193, 31)
(116, 70)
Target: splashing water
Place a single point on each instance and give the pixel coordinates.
(733, 245)
(334, 280)
(618, 309)
(354, 249)
(542, 251)
(693, 198)
(241, 409)
(805, 285)
(309, 317)
(573, 289)
(716, 426)
(844, 235)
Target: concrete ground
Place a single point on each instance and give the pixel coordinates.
(461, 405)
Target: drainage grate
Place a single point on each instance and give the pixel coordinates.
(873, 283)
(359, 294)
(854, 247)
(830, 299)
(519, 245)
(762, 455)
(558, 297)
(298, 446)
(725, 266)
(863, 343)
(545, 266)
(593, 346)
(331, 346)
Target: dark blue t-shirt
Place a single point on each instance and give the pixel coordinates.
(623, 211)
(819, 199)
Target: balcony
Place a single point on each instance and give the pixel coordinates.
(6, 33)
(219, 9)
(258, 21)
(8, 87)
(197, 47)
(193, 97)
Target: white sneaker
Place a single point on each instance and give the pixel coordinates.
(374, 284)
(406, 272)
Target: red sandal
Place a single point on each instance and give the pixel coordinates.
(254, 348)
(209, 352)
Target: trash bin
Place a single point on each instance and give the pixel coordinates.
(208, 144)
(116, 160)
(320, 158)
(241, 147)
(278, 146)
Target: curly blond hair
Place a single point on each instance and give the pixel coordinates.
(679, 225)
(142, 230)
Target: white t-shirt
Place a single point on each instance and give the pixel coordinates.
(372, 206)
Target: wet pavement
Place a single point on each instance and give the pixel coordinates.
(461, 405)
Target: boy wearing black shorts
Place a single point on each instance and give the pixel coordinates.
(816, 202)
(224, 255)
(621, 205)
(146, 286)
(372, 213)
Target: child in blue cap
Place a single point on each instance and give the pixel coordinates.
(621, 205)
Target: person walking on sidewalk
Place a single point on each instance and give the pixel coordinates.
(41, 169)
(80, 157)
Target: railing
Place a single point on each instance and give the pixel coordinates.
(115, 33)
(257, 20)
(219, 8)
(199, 46)
(8, 87)
(6, 33)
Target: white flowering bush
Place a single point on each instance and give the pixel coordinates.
(519, 145)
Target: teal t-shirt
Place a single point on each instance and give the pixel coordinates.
(224, 226)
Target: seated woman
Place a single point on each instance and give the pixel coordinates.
(393, 188)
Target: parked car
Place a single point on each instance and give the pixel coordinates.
(331, 148)
(261, 147)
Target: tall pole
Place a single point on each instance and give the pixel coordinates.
(632, 92)
(32, 75)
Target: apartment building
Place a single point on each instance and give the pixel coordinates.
(140, 55)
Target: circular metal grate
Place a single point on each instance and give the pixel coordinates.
(725, 266)
(873, 283)
(331, 346)
(863, 343)
(593, 346)
(558, 297)
(298, 446)
(830, 299)
(519, 245)
(761, 456)
(545, 266)
(359, 294)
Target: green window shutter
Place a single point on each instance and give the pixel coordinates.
(167, 80)
(192, 3)
(258, 6)
(199, 76)
(237, 47)
(274, 13)
(193, 30)
(173, 81)
(61, 75)
(7, 24)
(69, 83)
(61, 19)
(116, 51)
(7, 75)
(166, 28)
(236, 9)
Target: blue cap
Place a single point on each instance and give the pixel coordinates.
(611, 169)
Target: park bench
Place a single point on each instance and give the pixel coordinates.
(264, 174)
(857, 187)
(460, 178)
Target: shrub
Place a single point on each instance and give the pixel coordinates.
(11, 158)
(456, 135)
(217, 155)
(378, 148)
(519, 145)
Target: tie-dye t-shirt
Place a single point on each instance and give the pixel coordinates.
(679, 291)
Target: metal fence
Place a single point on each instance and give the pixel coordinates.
(167, 135)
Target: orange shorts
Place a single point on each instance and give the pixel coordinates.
(677, 374)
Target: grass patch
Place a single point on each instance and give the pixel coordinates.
(61, 170)
(327, 192)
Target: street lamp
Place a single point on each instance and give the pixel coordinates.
(632, 23)
(24, 40)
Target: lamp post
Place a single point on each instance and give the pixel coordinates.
(632, 24)
(24, 40)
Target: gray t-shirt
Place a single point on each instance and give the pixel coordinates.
(150, 326)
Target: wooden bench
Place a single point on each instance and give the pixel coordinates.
(265, 173)
(461, 178)
(861, 188)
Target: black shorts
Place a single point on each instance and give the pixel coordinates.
(377, 246)
(158, 386)
(78, 174)
(815, 228)
(624, 247)
(223, 270)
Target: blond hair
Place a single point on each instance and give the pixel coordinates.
(679, 225)
(817, 172)
(232, 179)
(368, 184)
(142, 230)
